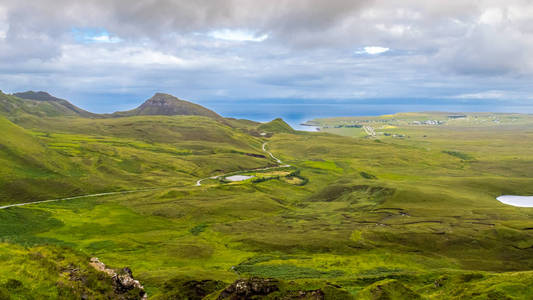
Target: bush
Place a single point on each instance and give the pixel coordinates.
(367, 175)
(13, 284)
(458, 154)
(196, 230)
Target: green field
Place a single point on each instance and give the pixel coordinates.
(408, 213)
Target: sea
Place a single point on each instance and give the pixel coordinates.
(296, 112)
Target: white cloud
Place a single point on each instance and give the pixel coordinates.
(237, 35)
(395, 30)
(491, 16)
(286, 48)
(4, 25)
(132, 56)
(373, 50)
(104, 38)
(492, 94)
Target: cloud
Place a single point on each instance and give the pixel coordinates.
(483, 95)
(491, 16)
(237, 35)
(245, 49)
(93, 35)
(4, 25)
(373, 50)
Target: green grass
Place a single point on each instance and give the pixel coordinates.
(458, 154)
(285, 271)
(398, 217)
(49, 272)
(92, 156)
(276, 126)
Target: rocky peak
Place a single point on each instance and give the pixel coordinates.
(168, 105)
(39, 96)
(160, 100)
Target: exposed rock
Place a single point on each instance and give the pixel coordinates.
(308, 295)
(100, 266)
(260, 288)
(248, 288)
(123, 281)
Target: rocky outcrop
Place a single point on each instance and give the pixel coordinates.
(249, 288)
(260, 288)
(124, 285)
(308, 295)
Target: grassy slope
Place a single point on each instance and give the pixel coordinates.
(57, 107)
(276, 126)
(28, 167)
(49, 272)
(372, 211)
(59, 157)
(165, 104)
(15, 108)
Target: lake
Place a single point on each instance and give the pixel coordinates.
(238, 177)
(518, 201)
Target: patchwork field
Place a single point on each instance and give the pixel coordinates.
(409, 212)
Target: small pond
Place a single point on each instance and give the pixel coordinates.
(238, 177)
(518, 201)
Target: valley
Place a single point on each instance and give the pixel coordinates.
(401, 206)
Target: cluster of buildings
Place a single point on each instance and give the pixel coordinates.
(428, 122)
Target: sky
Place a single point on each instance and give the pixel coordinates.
(108, 55)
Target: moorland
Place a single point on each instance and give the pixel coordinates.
(392, 207)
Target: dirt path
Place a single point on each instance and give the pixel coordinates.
(82, 196)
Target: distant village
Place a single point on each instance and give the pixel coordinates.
(372, 122)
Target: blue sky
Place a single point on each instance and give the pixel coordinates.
(111, 55)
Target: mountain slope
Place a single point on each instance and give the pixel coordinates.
(17, 145)
(28, 168)
(46, 158)
(168, 105)
(40, 104)
(276, 126)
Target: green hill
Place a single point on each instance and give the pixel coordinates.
(393, 216)
(276, 126)
(66, 156)
(19, 150)
(168, 105)
(39, 104)
(29, 170)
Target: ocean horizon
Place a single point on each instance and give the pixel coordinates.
(296, 112)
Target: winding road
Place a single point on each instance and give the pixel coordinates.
(281, 165)
(198, 183)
